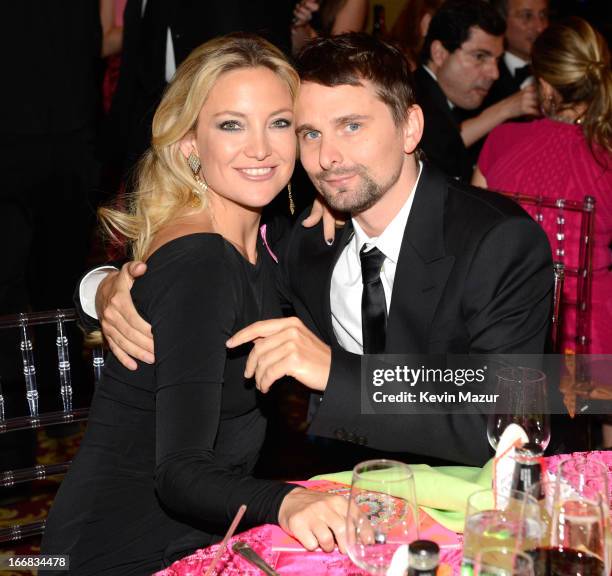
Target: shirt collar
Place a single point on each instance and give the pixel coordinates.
(513, 62)
(428, 70)
(390, 241)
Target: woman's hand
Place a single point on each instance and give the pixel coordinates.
(315, 519)
(331, 220)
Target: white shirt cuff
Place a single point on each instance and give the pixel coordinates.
(89, 287)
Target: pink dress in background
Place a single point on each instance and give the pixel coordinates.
(552, 159)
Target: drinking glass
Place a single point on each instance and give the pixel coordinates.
(580, 528)
(502, 561)
(522, 401)
(382, 514)
(582, 476)
(513, 522)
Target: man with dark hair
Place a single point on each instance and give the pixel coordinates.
(525, 21)
(459, 65)
(425, 265)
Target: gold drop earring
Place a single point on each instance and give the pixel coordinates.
(193, 161)
(291, 202)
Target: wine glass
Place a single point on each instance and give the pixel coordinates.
(502, 561)
(523, 401)
(580, 531)
(383, 516)
(512, 522)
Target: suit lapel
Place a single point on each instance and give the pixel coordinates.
(422, 269)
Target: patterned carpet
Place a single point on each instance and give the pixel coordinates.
(33, 501)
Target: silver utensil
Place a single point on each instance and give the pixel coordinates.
(251, 556)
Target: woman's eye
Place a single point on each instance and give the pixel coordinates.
(281, 123)
(230, 125)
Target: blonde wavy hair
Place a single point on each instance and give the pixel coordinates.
(574, 59)
(164, 183)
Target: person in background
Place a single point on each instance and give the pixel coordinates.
(567, 154)
(411, 27)
(458, 67)
(111, 17)
(158, 36)
(326, 17)
(513, 95)
(525, 21)
(167, 458)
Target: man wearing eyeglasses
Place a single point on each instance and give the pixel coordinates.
(525, 21)
(460, 54)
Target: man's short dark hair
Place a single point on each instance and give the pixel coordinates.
(353, 57)
(451, 24)
(501, 6)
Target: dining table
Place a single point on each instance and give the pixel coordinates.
(288, 557)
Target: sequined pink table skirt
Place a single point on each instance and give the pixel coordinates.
(311, 563)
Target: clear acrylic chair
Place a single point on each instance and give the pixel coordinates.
(24, 336)
(557, 211)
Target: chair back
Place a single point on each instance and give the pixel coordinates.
(19, 344)
(559, 274)
(557, 210)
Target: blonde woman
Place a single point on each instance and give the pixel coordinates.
(166, 460)
(567, 154)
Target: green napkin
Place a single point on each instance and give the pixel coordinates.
(441, 491)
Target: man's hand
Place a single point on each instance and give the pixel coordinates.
(284, 347)
(127, 334)
(522, 103)
(331, 220)
(315, 519)
(302, 12)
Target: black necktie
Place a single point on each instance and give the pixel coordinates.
(522, 73)
(373, 304)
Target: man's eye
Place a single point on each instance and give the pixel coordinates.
(353, 127)
(281, 123)
(230, 125)
(310, 135)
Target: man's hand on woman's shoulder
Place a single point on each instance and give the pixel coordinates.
(128, 335)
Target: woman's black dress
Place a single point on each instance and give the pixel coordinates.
(166, 458)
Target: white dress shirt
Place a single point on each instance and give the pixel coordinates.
(346, 283)
(513, 62)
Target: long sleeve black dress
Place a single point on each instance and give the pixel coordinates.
(166, 458)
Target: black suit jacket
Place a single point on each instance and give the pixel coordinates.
(441, 140)
(474, 275)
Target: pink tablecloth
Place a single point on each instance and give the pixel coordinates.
(311, 563)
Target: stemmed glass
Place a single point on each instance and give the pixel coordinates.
(501, 561)
(580, 532)
(383, 516)
(522, 401)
